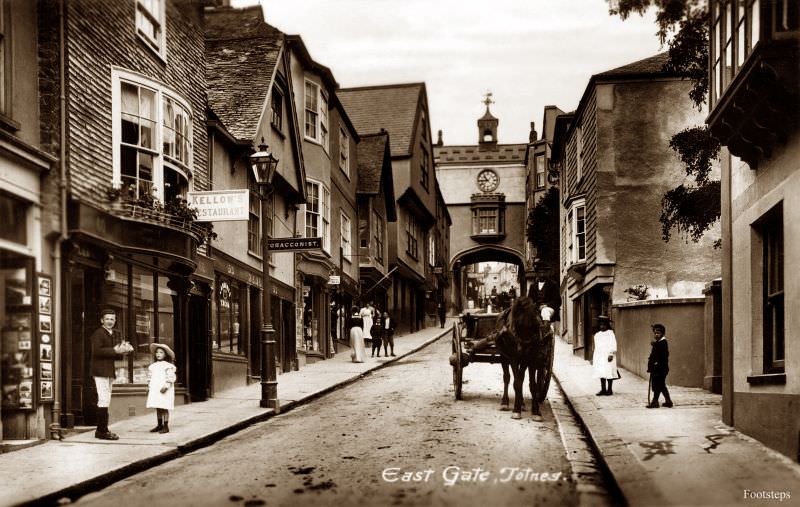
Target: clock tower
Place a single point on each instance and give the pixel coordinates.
(487, 125)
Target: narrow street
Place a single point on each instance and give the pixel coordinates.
(396, 437)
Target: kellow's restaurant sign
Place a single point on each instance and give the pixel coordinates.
(220, 205)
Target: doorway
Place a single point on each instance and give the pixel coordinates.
(86, 288)
(199, 349)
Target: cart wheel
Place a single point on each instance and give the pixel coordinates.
(547, 372)
(458, 365)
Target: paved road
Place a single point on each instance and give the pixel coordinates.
(396, 437)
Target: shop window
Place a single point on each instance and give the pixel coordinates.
(16, 331)
(13, 219)
(229, 317)
(145, 306)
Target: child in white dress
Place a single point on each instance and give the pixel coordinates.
(161, 388)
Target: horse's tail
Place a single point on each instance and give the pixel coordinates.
(524, 319)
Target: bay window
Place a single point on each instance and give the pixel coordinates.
(318, 213)
(577, 228)
(152, 136)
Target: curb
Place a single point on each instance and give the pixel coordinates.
(621, 467)
(108, 478)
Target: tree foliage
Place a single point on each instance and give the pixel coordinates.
(543, 230)
(683, 25)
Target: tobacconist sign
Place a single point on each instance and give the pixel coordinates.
(294, 244)
(220, 205)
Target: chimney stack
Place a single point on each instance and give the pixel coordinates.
(533, 136)
(439, 140)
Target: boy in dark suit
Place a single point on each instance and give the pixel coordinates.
(658, 366)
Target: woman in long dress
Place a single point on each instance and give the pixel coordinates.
(366, 318)
(604, 358)
(357, 350)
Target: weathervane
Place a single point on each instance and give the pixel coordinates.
(488, 100)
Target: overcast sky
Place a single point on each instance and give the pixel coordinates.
(529, 53)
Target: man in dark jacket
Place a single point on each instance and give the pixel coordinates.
(104, 352)
(658, 366)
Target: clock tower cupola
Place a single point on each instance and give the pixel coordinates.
(487, 125)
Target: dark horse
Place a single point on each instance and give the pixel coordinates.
(522, 341)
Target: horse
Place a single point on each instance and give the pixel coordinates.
(522, 341)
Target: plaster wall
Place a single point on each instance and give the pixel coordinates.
(683, 318)
(635, 168)
(776, 181)
(458, 183)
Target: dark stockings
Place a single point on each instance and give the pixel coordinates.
(606, 391)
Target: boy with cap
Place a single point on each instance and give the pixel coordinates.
(104, 352)
(658, 366)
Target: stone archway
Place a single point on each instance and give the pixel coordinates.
(482, 253)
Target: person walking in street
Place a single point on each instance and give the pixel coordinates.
(366, 317)
(357, 350)
(604, 358)
(376, 332)
(161, 387)
(442, 311)
(658, 366)
(388, 334)
(104, 352)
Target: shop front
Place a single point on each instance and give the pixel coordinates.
(141, 269)
(27, 317)
(317, 341)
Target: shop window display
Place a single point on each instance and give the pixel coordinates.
(16, 331)
(229, 317)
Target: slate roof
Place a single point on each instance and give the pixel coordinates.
(371, 151)
(501, 153)
(651, 66)
(391, 107)
(241, 54)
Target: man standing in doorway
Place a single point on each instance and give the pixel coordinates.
(104, 352)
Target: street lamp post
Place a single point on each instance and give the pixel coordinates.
(264, 165)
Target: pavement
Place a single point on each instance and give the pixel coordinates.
(79, 464)
(683, 456)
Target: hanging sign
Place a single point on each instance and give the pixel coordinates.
(294, 244)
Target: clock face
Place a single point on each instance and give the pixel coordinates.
(488, 180)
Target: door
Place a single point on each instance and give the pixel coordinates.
(86, 289)
(199, 348)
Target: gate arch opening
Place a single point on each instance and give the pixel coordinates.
(472, 287)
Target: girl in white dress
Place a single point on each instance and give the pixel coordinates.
(366, 318)
(161, 388)
(604, 358)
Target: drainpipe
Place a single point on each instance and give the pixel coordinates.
(55, 426)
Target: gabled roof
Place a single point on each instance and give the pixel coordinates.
(391, 107)
(648, 67)
(242, 52)
(375, 170)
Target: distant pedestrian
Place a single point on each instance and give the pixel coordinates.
(376, 332)
(604, 359)
(658, 366)
(357, 350)
(442, 311)
(388, 334)
(104, 352)
(366, 319)
(161, 387)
